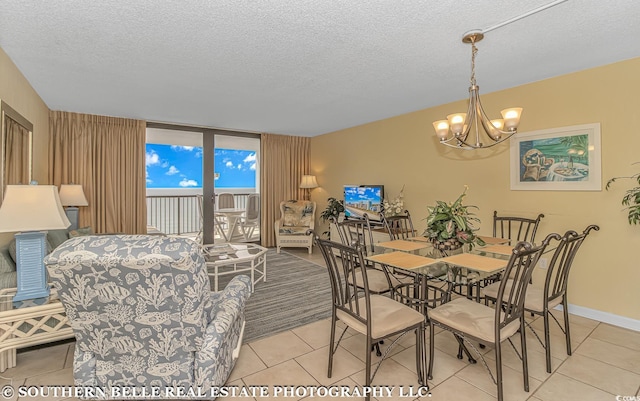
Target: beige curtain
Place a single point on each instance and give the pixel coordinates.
(16, 145)
(106, 155)
(285, 159)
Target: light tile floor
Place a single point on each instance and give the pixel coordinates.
(605, 363)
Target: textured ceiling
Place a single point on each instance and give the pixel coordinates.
(303, 67)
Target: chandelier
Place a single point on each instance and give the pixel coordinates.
(455, 130)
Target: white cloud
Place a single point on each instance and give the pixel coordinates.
(186, 148)
(165, 164)
(152, 158)
(239, 166)
(172, 170)
(252, 166)
(188, 183)
(229, 164)
(251, 158)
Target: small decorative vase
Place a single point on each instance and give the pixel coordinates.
(447, 245)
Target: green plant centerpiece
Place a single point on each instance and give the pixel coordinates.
(451, 225)
(631, 198)
(333, 209)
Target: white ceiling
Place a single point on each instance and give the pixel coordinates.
(303, 67)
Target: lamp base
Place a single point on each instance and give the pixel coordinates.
(32, 277)
(72, 215)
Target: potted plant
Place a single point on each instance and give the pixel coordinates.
(451, 225)
(631, 198)
(333, 209)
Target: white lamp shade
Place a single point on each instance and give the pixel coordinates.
(72, 195)
(32, 208)
(309, 181)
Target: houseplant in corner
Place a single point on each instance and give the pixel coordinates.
(451, 225)
(333, 209)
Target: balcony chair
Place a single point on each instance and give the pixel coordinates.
(470, 320)
(375, 316)
(143, 313)
(541, 301)
(226, 200)
(292, 229)
(251, 218)
(218, 224)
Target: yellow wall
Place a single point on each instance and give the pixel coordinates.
(16, 91)
(403, 150)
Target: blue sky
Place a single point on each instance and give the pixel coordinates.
(171, 166)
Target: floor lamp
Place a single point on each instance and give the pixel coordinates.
(308, 182)
(72, 196)
(26, 210)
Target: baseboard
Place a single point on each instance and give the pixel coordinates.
(605, 317)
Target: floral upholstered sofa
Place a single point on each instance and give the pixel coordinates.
(297, 218)
(144, 316)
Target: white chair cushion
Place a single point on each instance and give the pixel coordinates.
(534, 300)
(387, 317)
(473, 318)
(377, 280)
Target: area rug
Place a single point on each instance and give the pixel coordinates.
(297, 292)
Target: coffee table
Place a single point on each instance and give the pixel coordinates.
(231, 258)
(29, 325)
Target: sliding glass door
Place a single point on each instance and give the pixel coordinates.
(203, 178)
(236, 187)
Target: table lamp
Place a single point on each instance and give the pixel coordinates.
(26, 209)
(309, 182)
(71, 197)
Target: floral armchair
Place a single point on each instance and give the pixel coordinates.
(297, 218)
(143, 313)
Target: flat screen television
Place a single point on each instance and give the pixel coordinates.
(361, 199)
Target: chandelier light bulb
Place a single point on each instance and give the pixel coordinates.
(511, 118)
(442, 129)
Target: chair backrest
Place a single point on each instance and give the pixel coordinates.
(356, 232)
(511, 293)
(399, 226)
(298, 213)
(226, 200)
(252, 212)
(516, 228)
(343, 263)
(138, 304)
(555, 284)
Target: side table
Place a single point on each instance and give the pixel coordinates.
(29, 325)
(231, 258)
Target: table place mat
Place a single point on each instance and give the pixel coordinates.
(402, 245)
(494, 240)
(402, 259)
(476, 262)
(501, 249)
(419, 238)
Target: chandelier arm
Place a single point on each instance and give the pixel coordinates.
(490, 128)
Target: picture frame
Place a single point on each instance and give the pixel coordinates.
(557, 159)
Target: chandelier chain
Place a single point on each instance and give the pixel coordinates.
(474, 51)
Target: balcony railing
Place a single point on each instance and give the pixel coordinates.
(180, 214)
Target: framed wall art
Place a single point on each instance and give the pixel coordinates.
(557, 159)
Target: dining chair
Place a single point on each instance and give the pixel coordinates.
(375, 316)
(399, 226)
(516, 228)
(470, 320)
(541, 301)
(357, 232)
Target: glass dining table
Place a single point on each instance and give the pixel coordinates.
(463, 268)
